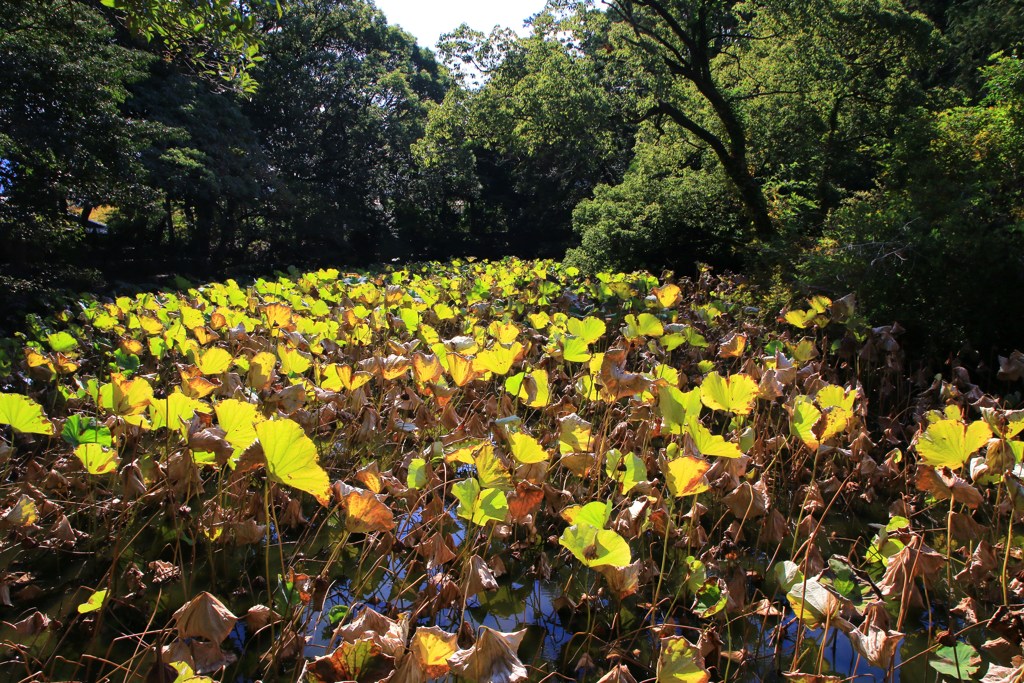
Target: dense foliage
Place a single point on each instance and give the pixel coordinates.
(498, 472)
(821, 146)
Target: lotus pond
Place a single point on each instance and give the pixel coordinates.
(499, 472)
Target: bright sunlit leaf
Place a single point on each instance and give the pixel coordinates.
(23, 414)
(949, 443)
(736, 394)
(680, 662)
(97, 459)
(480, 505)
(685, 476)
(292, 458)
(214, 361)
(596, 547)
(94, 603)
(527, 449)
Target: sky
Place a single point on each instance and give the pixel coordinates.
(428, 19)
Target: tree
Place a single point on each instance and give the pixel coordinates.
(791, 104)
(540, 132)
(673, 45)
(219, 38)
(344, 96)
(938, 243)
(64, 140)
(205, 166)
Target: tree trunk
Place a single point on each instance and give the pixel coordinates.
(168, 220)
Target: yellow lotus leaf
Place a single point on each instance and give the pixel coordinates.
(293, 361)
(443, 312)
(685, 476)
(65, 365)
(708, 444)
(833, 396)
(261, 370)
(804, 350)
(278, 315)
(589, 329)
(62, 342)
(130, 346)
(643, 325)
(680, 662)
(203, 335)
(596, 547)
(490, 471)
(736, 394)
(464, 452)
(575, 349)
(804, 419)
(667, 296)
(174, 412)
(426, 367)
(214, 361)
(949, 443)
(192, 318)
(678, 409)
(480, 505)
(504, 332)
(150, 325)
(533, 389)
(497, 359)
(429, 335)
(94, 603)
(39, 365)
(338, 377)
(836, 421)
(527, 449)
(461, 369)
(292, 458)
(366, 513)
(432, 648)
(194, 385)
(596, 514)
(369, 476)
(23, 414)
(126, 397)
(23, 513)
(97, 459)
(238, 419)
(539, 320)
(394, 366)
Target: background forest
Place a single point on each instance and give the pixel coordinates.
(833, 146)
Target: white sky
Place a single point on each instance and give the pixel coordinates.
(428, 19)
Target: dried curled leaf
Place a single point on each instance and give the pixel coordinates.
(493, 659)
(204, 616)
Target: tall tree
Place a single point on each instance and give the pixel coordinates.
(540, 131)
(674, 45)
(218, 38)
(343, 98)
(64, 139)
